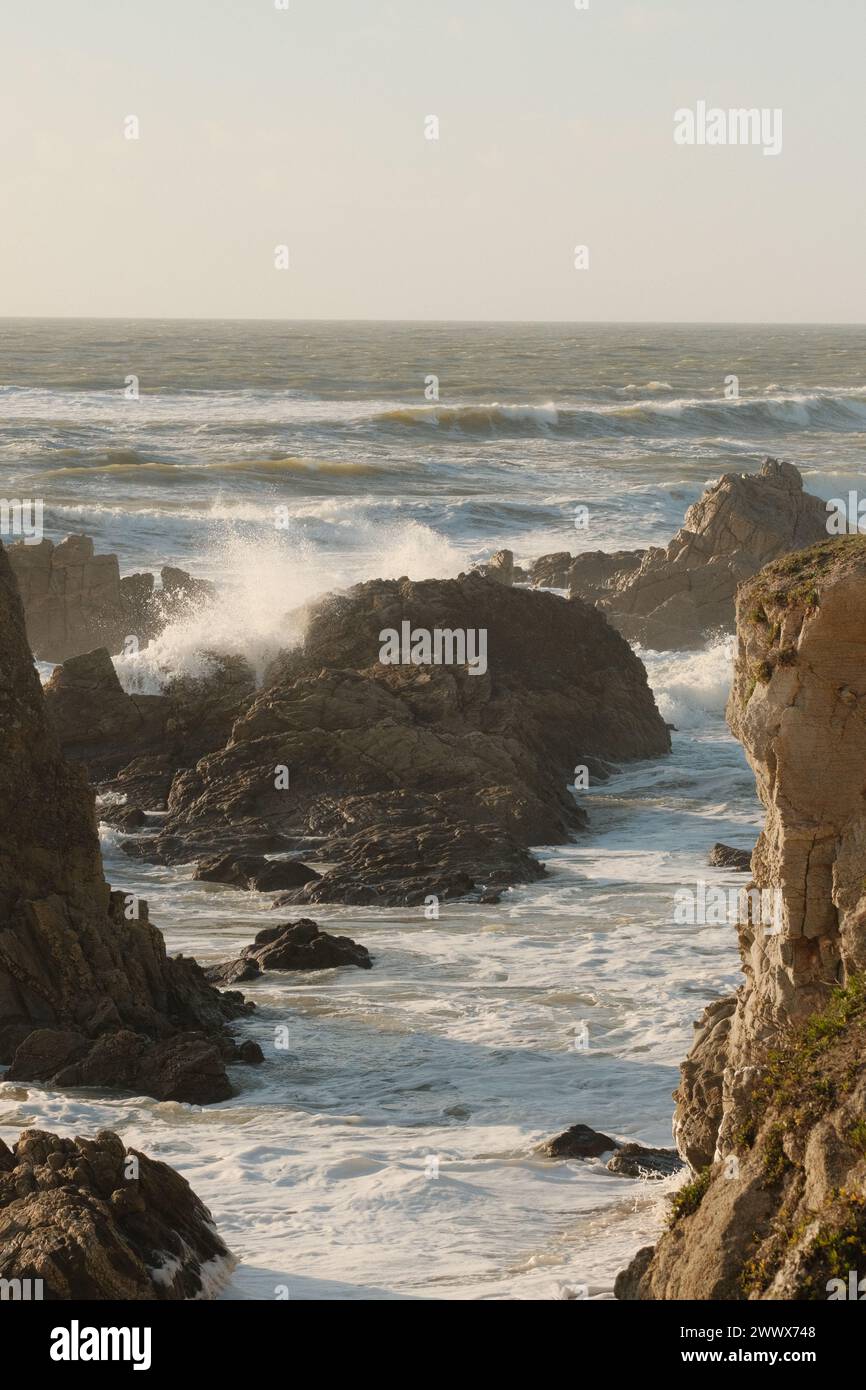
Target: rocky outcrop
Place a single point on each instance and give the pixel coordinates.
(406, 781)
(91, 1219)
(88, 994)
(291, 946)
(419, 780)
(678, 596)
(771, 1111)
(75, 600)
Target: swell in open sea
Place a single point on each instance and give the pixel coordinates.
(459, 1045)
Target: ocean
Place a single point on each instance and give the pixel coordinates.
(388, 1152)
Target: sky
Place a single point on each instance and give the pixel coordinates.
(306, 128)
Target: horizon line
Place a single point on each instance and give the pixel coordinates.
(588, 323)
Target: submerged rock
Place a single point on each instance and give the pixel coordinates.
(93, 1220)
(770, 1110)
(81, 967)
(291, 946)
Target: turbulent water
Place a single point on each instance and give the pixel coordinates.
(387, 1152)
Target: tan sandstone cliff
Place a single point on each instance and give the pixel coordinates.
(771, 1110)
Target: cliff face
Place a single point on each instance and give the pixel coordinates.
(87, 992)
(771, 1110)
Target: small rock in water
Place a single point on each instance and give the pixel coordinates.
(578, 1142)
(727, 857)
(636, 1161)
(290, 946)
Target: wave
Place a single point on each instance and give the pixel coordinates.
(179, 417)
(682, 417)
(266, 581)
(690, 686)
(131, 462)
(476, 418)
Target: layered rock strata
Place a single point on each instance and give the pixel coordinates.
(771, 1110)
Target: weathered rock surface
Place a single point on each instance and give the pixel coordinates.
(254, 871)
(94, 1220)
(75, 600)
(410, 780)
(78, 969)
(423, 780)
(772, 1103)
(132, 745)
(678, 596)
(291, 946)
(728, 857)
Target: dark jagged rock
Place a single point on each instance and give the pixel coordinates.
(420, 780)
(254, 871)
(578, 1142)
(291, 946)
(727, 857)
(76, 959)
(406, 781)
(638, 1161)
(94, 1220)
(132, 745)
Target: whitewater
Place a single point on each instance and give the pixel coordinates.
(388, 1151)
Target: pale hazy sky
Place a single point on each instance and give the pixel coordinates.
(305, 127)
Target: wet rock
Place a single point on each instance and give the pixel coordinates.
(637, 1161)
(254, 871)
(727, 857)
(578, 1142)
(417, 781)
(291, 946)
(98, 1221)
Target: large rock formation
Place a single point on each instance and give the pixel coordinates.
(90, 1219)
(678, 596)
(413, 780)
(88, 995)
(75, 600)
(771, 1111)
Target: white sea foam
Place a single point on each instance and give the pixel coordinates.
(267, 577)
(691, 686)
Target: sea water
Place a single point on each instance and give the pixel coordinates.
(386, 1148)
